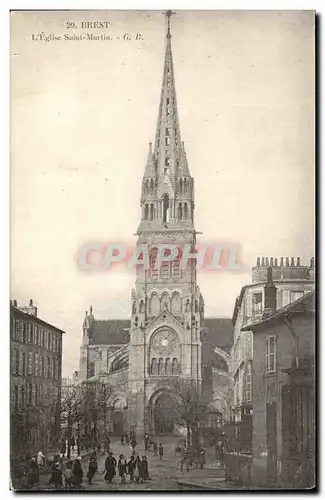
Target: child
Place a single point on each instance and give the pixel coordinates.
(68, 476)
(131, 465)
(161, 451)
(122, 468)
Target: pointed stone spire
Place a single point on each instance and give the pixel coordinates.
(183, 170)
(150, 171)
(168, 136)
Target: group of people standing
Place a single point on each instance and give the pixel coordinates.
(136, 468)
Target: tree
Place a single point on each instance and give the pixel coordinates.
(71, 410)
(188, 407)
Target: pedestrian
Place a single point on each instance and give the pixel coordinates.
(63, 449)
(68, 476)
(57, 476)
(122, 439)
(122, 468)
(161, 451)
(110, 468)
(92, 468)
(201, 457)
(77, 472)
(40, 459)
(133, 443)
(146, 441)
(183, 457)
(144, 472)
(155, 449)
(127, 439)
(136, 469)
(131, 465)
(33, 475)
(108, 444)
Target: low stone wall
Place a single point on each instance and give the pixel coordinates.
(239, 468)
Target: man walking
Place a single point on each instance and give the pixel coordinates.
(161, 451)
(146, 441)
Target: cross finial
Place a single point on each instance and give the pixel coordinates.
(168, 14)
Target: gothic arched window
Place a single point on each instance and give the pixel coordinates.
(180, 186)
(154, 305)
(180, 211)
(175, 367)
(176, 304)
(142, 306)
(146, 212)
(185, 211)
(165, 208)
(161, 367)
(154, 367)
(168, 367)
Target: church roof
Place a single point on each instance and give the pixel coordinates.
(218, 332)
(110, 332)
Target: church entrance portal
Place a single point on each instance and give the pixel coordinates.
(164, 414)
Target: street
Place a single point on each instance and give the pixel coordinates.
(164, 473)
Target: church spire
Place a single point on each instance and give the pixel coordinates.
(168, 137)
(167, 187)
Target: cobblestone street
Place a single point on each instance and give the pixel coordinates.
(165, 474)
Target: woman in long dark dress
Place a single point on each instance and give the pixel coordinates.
(122, 468)
(110, 468)
(144, 472)
(77, 473)
(92, 469)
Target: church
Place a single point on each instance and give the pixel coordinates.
(166, 336)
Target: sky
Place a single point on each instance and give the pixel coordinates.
(83, 113)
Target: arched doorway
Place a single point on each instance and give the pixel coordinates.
(164, 413)
(118, 417)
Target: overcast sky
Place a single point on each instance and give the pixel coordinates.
(83, 113)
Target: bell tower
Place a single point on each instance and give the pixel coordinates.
(167, 306)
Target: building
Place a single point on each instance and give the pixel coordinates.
(35, 378)
(284, 391)
(292, 280)
(167, 336)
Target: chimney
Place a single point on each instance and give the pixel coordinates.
(281, 262)
(267, 262)
(263, 262)
(269, 295)
(298, 261)
(271, 261)
(15, 303)
(30, 302)
(292, 262)
(275, 262)
(258, 264)
(287, 261)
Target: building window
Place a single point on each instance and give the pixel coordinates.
(175, 367)
(270, 354)
(23, 370)
(17, 330)
(285, 297)
(257, 303)
(165, 270)
(29, 394)
(154, 367)
(22, 396)
(161, 370)
(153, 267)
(16, 396)
(48, 367)
(30, 363)
(248, 384)
(295, 296)
(17, 362)
(30, 333)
